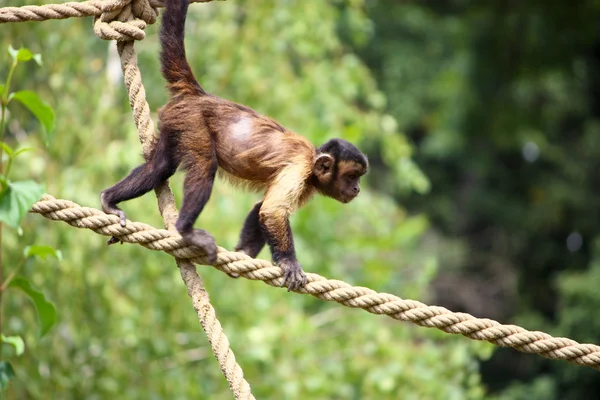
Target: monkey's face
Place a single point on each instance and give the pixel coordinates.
(338, 168)
(339, 179)
(346, 183)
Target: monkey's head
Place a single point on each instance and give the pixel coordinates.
(338, 168)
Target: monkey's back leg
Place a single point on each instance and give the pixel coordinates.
(161, 166)
(252, 239)
(200, 163)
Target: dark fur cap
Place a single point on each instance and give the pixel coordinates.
(341, 149)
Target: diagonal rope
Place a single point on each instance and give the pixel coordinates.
(330, 290)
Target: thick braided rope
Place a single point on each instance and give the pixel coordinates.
(325, 289)
(68, 10)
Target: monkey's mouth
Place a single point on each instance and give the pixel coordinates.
(348, 198)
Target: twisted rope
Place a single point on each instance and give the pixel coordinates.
(71, 9)
(325, 289)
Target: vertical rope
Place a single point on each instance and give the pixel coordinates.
(166, 202)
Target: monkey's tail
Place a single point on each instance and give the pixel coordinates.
(174, 66)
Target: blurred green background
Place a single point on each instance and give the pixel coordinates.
(481, 123)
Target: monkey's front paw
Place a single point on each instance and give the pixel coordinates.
(293, 275)
(204, 241)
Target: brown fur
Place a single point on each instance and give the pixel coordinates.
(205, 133)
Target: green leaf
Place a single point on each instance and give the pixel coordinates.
(6, 374)
(23, 54)
(43, 252)
(42, 111)
(17, 199)
(13, 53)
(38, 59)
(22, 150)
(16, 341)
(45, 309)
(7, 149)
(2, 90)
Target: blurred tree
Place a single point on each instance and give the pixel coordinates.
(502, 101)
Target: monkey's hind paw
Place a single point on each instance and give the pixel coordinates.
(293, 275)
(113, 240)
(119, 213)
(109, 208)
(204, 241)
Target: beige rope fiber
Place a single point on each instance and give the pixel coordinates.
(74, 9)
(325, 289)
(124, 21)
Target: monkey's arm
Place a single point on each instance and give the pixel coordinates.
(281, 199)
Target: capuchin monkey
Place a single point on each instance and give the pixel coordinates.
(204, 133)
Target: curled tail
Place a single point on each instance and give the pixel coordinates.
(174, 65)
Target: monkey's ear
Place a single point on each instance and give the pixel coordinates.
(323, 165)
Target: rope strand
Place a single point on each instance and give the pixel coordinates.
(325, 289)
(72, 9)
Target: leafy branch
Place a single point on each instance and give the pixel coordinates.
(16, 198)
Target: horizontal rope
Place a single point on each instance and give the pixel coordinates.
(325, 289)
(68, 10)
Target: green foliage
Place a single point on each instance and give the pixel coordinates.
(540, 388)
(16, 199)
(131, 332)
(16, 341)
(46, 311)
(24, 55)
(42, 111)
(43, 252)
(6, 374)
(500, 104)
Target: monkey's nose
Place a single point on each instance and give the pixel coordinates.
(356, 190)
